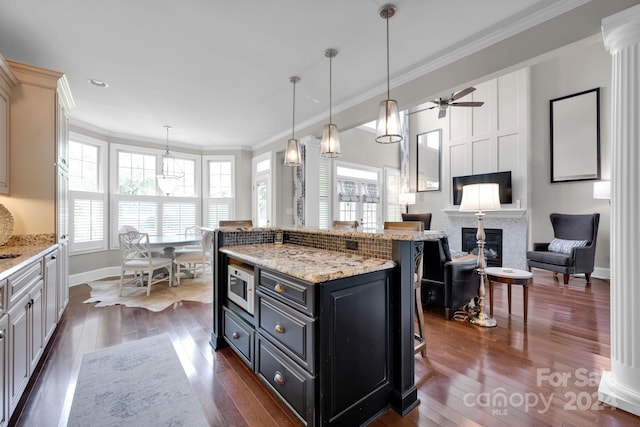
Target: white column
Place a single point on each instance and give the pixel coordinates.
(620, 387)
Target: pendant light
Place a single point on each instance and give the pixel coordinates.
(330, 143)
(292, 155)
(171, 171)
(388, 127)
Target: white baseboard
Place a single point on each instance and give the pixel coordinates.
(88, 276)
(601, 273)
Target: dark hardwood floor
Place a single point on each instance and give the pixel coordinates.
(545, 372)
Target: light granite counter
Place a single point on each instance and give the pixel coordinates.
(27, 248)
(377, 234)
(305, 263)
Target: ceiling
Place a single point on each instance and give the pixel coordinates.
(218, 72)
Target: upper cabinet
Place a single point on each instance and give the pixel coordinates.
(7, 82)
(39, 103)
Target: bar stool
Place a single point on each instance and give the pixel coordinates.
(420, 345)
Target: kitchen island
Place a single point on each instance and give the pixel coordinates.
(330, 330)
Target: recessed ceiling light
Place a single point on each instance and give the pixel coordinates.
(98, 83)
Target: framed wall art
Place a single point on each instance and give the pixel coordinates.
(575, 136)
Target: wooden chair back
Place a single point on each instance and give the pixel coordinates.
(404, 225)
(236, 223)
(345, 225)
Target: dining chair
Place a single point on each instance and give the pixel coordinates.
(345, 225)
(196, 260)
(424, 217)
(136, 257)
(190, 232)
(404, 225)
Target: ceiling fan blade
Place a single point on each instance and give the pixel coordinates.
(442, 113)
(424, 109)
(468, 104)
(463, 92)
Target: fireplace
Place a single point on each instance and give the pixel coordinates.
(492, 244)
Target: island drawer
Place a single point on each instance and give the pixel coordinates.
(18, 284)
(287, 328)
(239, 335)
(299, 295)
(294, 386)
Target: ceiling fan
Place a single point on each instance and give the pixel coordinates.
(443, 103)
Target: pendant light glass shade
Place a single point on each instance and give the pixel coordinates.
(292, 155)
(330, 143)
(171, 172)
(388, 127)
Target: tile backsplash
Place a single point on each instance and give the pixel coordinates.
(368, 246)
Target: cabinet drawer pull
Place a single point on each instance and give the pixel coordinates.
(279, 328)
(278, 378)
(279, 288)
(235, 335)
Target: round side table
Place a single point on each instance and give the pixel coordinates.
(509, 276)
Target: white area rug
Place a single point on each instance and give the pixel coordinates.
(105, 293)
(138, 383)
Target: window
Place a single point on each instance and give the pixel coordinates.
(219, 196)
(262, 191)
(358, 195)
(87, 195)
(392, 185)
(324, 193)
(137, 200)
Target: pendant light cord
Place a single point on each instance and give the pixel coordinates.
(330, 86)
(167, 147)
(388, 88)
(293, 121)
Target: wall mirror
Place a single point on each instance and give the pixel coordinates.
(575, 137)
(428, 160)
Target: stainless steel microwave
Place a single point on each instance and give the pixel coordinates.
(240, 288)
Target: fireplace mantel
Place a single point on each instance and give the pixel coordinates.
(502, 213)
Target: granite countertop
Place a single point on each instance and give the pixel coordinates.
(28, 250)
(306, 263)
(375, 234)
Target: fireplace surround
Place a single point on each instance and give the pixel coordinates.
(512, 222)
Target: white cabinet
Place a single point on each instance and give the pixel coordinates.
(62, 296)
(4, 401)
(7, 82)
(50, 290)
(18, 351)
(37, 308)
(26, 338)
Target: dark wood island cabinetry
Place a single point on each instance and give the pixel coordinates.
(325, 326)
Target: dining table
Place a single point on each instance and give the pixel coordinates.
(169, 243)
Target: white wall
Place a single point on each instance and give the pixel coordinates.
(584, 66)
(490, 138)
